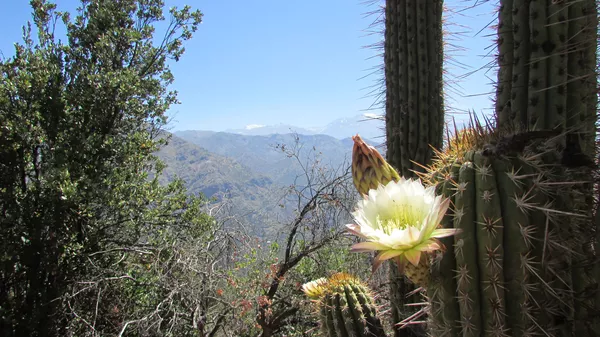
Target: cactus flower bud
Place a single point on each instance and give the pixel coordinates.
(369, 169)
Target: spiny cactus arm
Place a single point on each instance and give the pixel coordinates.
(413, 79)
(592, 69)
(467, 267)
(332, 300)
(517, 242)
(369, 310)
(505, 60)
(539, 226)
(538, 71)
(582, 70)
(435, 102)
(327, 325)
(583, 280)
(397, 89)
(352, 329)
(423, 69)
(396, 93)
(557, 65)
(345, 307)
(442, 291)
(520, 73)
(489, 245)
(356, 312)
(575, 61)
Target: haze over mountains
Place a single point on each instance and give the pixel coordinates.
(250, 169)
(367, 125)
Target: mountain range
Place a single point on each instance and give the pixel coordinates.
(367, 125)
(250, 174)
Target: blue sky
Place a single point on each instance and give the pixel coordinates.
(300, 63)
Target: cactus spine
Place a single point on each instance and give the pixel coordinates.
(345, 307)
(413, 58)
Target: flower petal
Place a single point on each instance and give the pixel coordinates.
(444, 232)
(404, 238)
(385, 255)
(356, 230)
(428, 246)
(367, 247)
(413, 256)
(434, 218)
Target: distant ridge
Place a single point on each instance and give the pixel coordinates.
(367, 125)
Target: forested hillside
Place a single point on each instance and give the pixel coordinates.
(110, 226)
(225, 182)
(264, 155)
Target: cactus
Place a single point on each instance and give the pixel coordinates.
(345, 307)
(414, 107)
(521, 189)
(547, 67)
(518, 267)
(413, 57)
(525, 262)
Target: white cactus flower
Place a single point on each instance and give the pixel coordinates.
(400, 220)
(314, 289)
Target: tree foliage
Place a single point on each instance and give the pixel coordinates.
(95, 243)
(79, 122)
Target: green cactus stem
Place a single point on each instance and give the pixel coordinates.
(547, 57)
(413, 57)
(345, 307)
(547, 76)
(518, 264)
(413, 60)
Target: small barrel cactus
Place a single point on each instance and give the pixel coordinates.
(345, 306)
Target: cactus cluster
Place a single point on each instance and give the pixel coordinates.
(525, 262)
(345, 306)
(519, 267)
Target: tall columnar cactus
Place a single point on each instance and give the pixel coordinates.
(524, 263)
(547, 66)
(414, 107)
(345, 306)
(521, 265)
(413, 58)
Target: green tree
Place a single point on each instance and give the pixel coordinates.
(79, 122)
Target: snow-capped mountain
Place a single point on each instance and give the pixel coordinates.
(367, 125)
(265, 130)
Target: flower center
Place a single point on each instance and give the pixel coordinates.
(399, 218)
